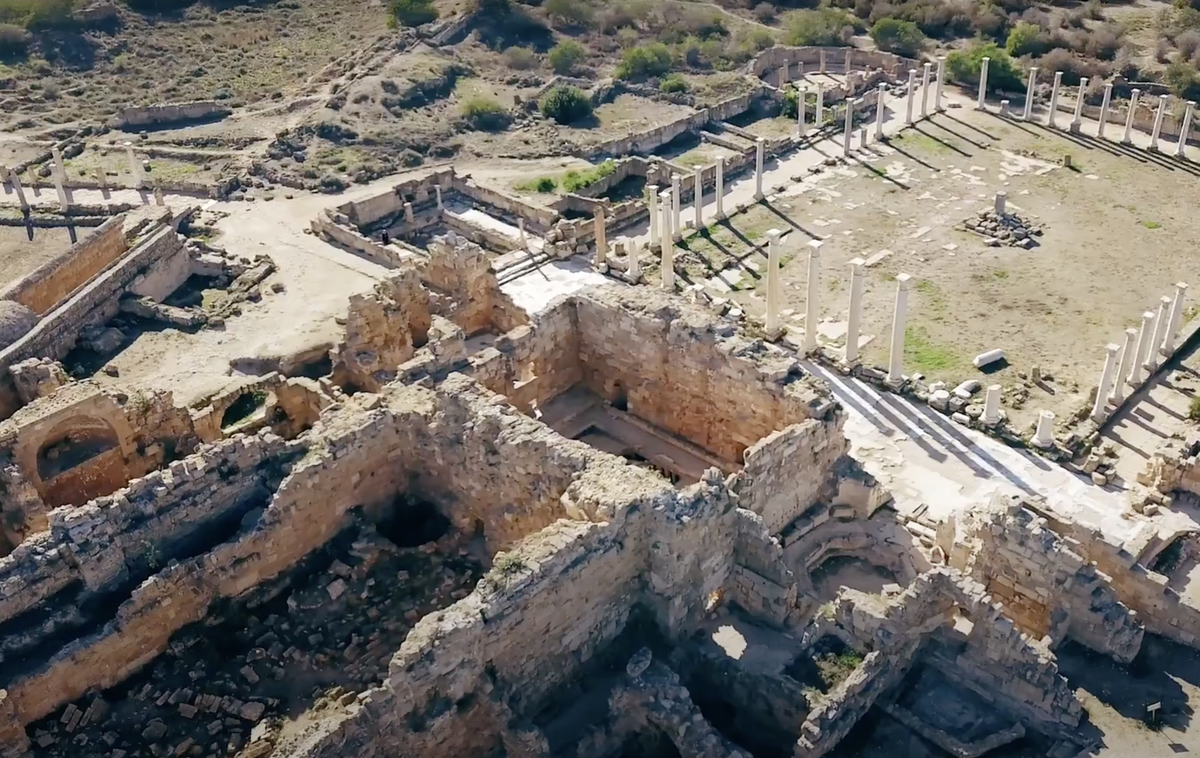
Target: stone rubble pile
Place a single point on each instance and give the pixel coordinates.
(1003, 229)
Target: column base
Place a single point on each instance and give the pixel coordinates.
(1041, 444)
(990, 421)
(631, 278)
(1074, 127)
(894, 384)
(1152, 148)
(1126, 141)
(1179, 153)
(773, 335)
(1099, 418)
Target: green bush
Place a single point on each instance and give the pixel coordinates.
(520, 58)
(485, 114)
(569, 12)
(412, 12)
(565, 55)
(791, 103)
(566, 105)
(963, 66)
(673, 83)
(644, 62)
(14, 41)
(1025, 39)
(37, 14)
(1183, 80)
(900, 37)
(575, 180)
(824, 27)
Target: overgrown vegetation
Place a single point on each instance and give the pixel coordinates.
(543, 185)
(412, 12)
(963, 66)
(644, 62)
(1194, 409)
(574, 180)
(673, 83)
(484, 114)
(565, 56)
(566, 105)
(37, 14)
(894, 35)
(825, 26)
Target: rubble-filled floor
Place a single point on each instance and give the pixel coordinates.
(263, 671)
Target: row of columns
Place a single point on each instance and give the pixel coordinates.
(1105, 105)
(58, 175)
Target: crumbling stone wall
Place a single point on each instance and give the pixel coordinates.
(170, 113)
(1047, 588)
(43, 289)
(761, 582)
(773, 483)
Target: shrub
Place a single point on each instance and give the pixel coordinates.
(791, 104)
(1025, 39)
(484, 114)
(14, 41)
(963, 66)
(673, 83)
(643, 62)
(1194, 409)
(520, 58)
(575, 180)
(412, 12)
(823, 26)
(564, 56)
(566, 105)
(765, 12)
(569, 12)
(900, 37)
(1182, 79)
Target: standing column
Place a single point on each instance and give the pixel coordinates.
(676, 207)
(1104, 109)
(760, 149)
(1029, 93)
(1158, 121)
(926, 70)
(819, 121)
(135, 168)
(1160, 327)
(801, 121)
(849, 59)
(1077, 119)
(1043, 437)
(1185, 130)
(854, 320)
(896, 359)
(601, 238)
(983, 71)
(437, 191)
(58, 172)
(1143, 345)
(812, 301)
(991, 405)
(668, 267)
(822, 69)
(1050, 120)
(16, 183)
(1128, 350)
(849, 128)
(908, 112)
(720, 190)
(941, 75)
(879, 94)
(1168, 343)
(783, 76)
(667, 210)
(698, 199)
(652, 206)
(668, 246)
(1106, 376)
(1000, 204)
(1133, 101)
(633, 264)
(773, 327)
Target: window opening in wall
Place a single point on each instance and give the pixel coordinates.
(620, 401)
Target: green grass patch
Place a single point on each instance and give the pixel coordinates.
(542, 184)
(925, 355)
(574, 181)
(1000, 274)
(1151, 224)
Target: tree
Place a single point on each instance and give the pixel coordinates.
(412, 12)
(569, 12)
(565, 55)
(1182, 79)
(673, 83)
(824, 27)
(566, 105)
(900, 37)
(963, 66)
(644, 62)
(1025, 39)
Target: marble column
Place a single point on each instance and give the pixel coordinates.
(926, 71)
(941, 77)
(849, 133)
(773, 327)
(135, 168)
(908, 106)
(784, 76)
(1043, 437)
(1133, 101)
(1104, 105)
(1160, 328)
(1051, 120)
(437, 191)
(896, 358)
(409, 216)
(812, 305)
(991, 405)
(983, 73)
(633, 263)
(667, 218)
(1077, 118)
(760, 150)
(1185, 130)
(1001, 203)
(698, 199)
(676, 207)
(58, 173)
(819, 119)
(668, 267)
(854, 319)
(1158, 122)
(879, 101)
(652, 206)
(1100, 405)
(1128, 350)
(1143, 346)
(16, 183)
(720, 189)
(822, 69)
(601, 238)
(668, 246)
(849, 60)
(1029, 89)
(1172, 333)
(801, 121)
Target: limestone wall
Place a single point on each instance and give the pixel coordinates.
(773, 58)
(651, 139)
(537, 217)
(785, 471)
(533, 364)
(43, 289)
(160, 115)
(761, 581)
(684, 370)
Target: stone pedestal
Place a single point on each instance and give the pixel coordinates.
(633, 267)
(1128, 353)
(1100, 405)
(1001, 203)
(983, 75)
(854, 319)
(1043, 437)
(895, 375)
(991, 406)
(1029, 90)
(1104, 105)
(1127, 138)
